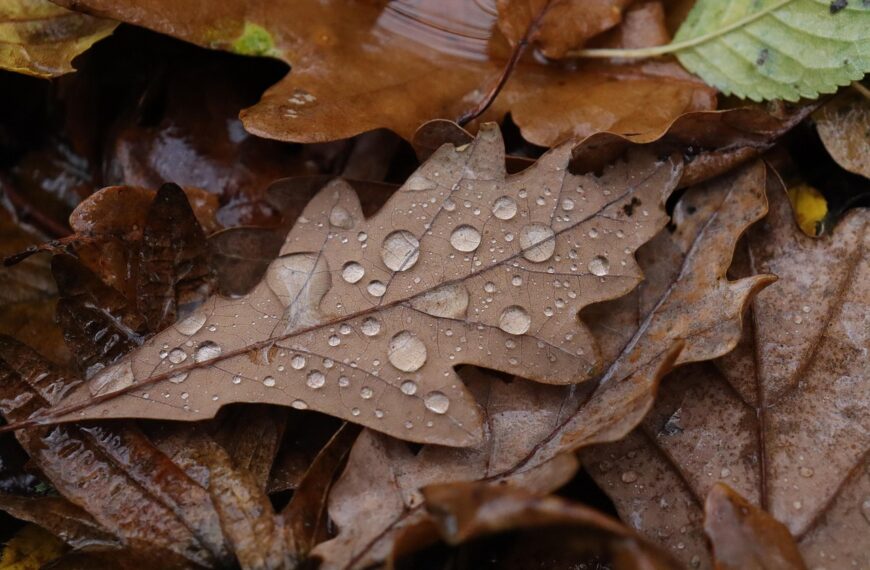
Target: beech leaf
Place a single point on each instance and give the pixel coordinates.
(364, 319)
(783, 419)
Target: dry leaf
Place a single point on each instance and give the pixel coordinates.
(843, 124)
(744, 537)
(783, 419)
(422, 60)
(41, 39)
(365, 319)
(694, 305)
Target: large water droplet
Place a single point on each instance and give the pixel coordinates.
(408, 387)
(297, 362)
(191, 324)
(177, 356)
(376, 289)
(599, 266)
(352, 272)
(340, 218)
(436, 402)
(315, 379)
(400, 250)
(450, 301)
(514, 320)
(207, 351)
(537, 242)
(406, 352)
(504, 208)
(371, 326)
(465, 238)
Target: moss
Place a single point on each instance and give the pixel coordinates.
(255, 40)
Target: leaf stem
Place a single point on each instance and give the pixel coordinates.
(675, 46)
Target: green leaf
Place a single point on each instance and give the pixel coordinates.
(776, 49)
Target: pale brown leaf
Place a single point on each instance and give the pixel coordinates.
(843, 124)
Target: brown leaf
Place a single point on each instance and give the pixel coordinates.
(365, 319)
(241, 256)
(694, 306)
(746, 538)
(782, 419)
(543, 532)
(425, 60)
(843, 124)
(60, 517)
(41, 39)
(251, 436)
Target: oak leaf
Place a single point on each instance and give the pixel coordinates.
(529, 427)
(421, 61)
(783, 419)
(365, 319)
(843, 124)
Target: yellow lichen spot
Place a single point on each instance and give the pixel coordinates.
(30, 549)
(255, 40)
(810, 208)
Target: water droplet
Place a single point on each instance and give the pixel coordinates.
(409, 424)
(865, 509)
(355, 412)
(379, 414)
(567, 204)
(514, 320)
(179, 378)
(417, 183)
(465, 238)
(237, 379)
(268, 381)
(725, 472)
(345, 329)
(504, 208)
(516, 280)
(376, 289)
(362, 236)
(450, 301)
(191, 324)
(599, 266)
(352, 272)
(298, 405)
(400, 251)
(489, 287)
(340, 218)
(371, 326)
(436, 402)
(629, 477)
(298, 362)
(409, 387)
(537, 242)
(315, 379)
(366, 393)
(406, 352)
(207, 351)
(185, 395)
(334, 340)
(177, 356)
(806, 472)
(343, 381)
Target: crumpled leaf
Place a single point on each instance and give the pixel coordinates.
(547, 532)
(39, 38)
(843, 124)
(528, 426)
(365, 319)
(782, 419)
(433, 59)
(744, 537)
(776, 49)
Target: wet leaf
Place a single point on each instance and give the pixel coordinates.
(365, 319)
(844, 127)
(529, 427)
(69, 523)
(432, 60)
(41, 39)
(782, 419)
(745, 537)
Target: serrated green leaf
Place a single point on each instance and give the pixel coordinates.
(776, 49)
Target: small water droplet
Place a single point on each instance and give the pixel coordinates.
(366, 393)
(177, 356)
(315, 379)
(465, 238)
(628, 477)
(379, 414)
(179, 378)
(806, 472)
(207, 351)
(599, 266)
(352, 272)
(298, 405)
(237, 379)
(865, 509)
(406, 352)
(436, 402)
(340, 218)
(355, 412)
(409, 387)
(409, 424)
(400, 251)
(567, 204)
(489, 287)
(516, 280)
(537, 242)
(268, 381)
(514, 320)
(185, 395)
(362, 236)
(343, 381)
(725, 472)
(376, 289)
(371, 326)
(298, 362)
(334, 340)
(504, 208)
(191, 324)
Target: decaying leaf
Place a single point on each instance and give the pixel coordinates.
(41, 39)
(783, 419)
(30, 549)
(365, 319)
(544, 532)
(844, 127)
(433, 59)
(693, 306)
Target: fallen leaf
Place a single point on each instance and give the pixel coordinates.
(61, 518)
(365, 319)
(251, 436)
(431, 59)
(782, 419)
(41, 39)
(544, 531)
(744, 537)
(30, 549)
(528, 426)
(843, 124)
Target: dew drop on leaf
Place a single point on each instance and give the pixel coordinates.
(297, 362)
(268, 381)
(514, 320)
(436, 402)
(400, 251)
(504, 208)
(191, 324)
(340, 218)
(406, 352)
(352, 272)
(371, 326)
(315, 379)
(177, 356)
(207, 351)
(599, 266)
(376, 289)
(298, 405)
(537, 242)
(409, 387)
(465, 238)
